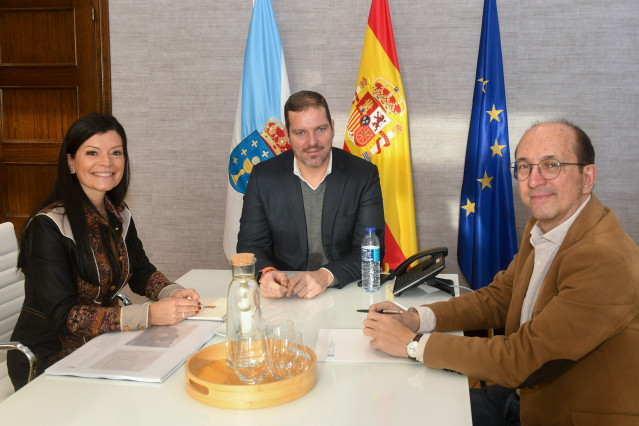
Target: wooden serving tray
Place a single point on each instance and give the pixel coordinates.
(211, 381)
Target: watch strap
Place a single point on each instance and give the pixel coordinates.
(411, 348)
(264, 271)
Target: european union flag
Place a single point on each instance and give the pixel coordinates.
(487, 237)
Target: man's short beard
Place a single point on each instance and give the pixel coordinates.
(317, 163)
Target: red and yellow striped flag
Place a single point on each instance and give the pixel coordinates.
(378, 131)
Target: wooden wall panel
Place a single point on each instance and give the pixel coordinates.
(34, 181)
(41, 115)
(37, 37)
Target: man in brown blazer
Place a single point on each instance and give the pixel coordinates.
(569, 303)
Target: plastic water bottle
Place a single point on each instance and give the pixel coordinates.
(370, 261)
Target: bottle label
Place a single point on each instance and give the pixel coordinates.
(370, 254)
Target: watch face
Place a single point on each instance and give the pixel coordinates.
(411, 349)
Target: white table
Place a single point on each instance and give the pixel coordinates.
(345, 394)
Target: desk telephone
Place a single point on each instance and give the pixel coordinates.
(424, 272)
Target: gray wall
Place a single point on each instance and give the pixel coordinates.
(176, 71)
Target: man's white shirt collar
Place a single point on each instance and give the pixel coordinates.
(558, 233)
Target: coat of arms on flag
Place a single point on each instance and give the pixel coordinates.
(374, 119)
(377, 130)
(255, 148)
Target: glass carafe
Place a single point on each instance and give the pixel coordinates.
(244, 315)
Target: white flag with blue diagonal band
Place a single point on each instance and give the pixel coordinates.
(259, 132)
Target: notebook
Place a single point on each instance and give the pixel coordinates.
(213, 309)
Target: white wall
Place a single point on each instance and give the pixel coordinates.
(176, 70)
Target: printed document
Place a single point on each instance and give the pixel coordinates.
(149, 355)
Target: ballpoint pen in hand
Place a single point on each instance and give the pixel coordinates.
(385, 311)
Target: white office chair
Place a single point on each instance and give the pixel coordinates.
(11, 297)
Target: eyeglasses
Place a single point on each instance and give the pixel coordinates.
(548, 169)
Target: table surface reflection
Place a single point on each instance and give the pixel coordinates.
(345, 393)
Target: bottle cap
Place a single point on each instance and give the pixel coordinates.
(243, 259)
(370, 229)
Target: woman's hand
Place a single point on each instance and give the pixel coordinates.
(187, 293)
(181, 305)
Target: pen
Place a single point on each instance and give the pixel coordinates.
(208, 306)
(385, 311)
(400, 306)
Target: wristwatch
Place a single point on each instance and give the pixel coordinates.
(411, 348)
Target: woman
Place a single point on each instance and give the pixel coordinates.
(80, 247)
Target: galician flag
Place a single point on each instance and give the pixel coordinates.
(487, 236)
(259, 132)
(378, 132)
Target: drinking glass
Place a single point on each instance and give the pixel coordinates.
(251, 357)
(282, 351)
(301, 362)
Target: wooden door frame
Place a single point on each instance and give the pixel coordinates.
(104, 54)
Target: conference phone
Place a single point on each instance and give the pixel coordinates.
(425, 272)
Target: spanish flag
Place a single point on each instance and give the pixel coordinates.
(378, 132)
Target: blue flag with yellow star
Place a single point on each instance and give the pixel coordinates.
(487, 237)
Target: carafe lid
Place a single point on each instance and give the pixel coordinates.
(242, 259)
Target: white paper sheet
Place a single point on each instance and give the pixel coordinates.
(213, 309)
(349, 345)
(149, 355)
